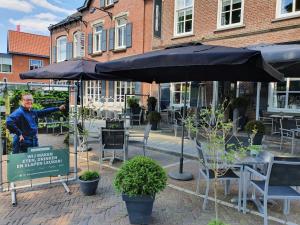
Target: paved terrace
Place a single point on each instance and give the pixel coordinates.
(177, 204)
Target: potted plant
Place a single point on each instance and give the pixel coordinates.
(139, 180)
(133, 104)
(257, 129)
(89, 182)
(151, 102)
(153, 118)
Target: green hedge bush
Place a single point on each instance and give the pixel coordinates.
(140, 176)
(255, 124)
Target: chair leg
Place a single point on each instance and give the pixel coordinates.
(206, 194)
(281, 140)
(265, 210)
(144, 150)
(198, 184)
(227, 187)
(240, 193)
(245, 190)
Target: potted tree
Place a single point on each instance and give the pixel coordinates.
(89, 182)
(133, 104)
(139, 180)
(256, 128)
(153, 118)
(151, 102)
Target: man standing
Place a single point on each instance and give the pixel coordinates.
(23, 122)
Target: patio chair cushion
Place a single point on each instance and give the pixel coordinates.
(229, 174)
(285, 191)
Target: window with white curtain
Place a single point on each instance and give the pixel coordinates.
(97, 36)
(178, 93)
(184, 10)
(122, 88)
(288, 8)
(61, 46)
(93, 91)
(78, 44)
(120, 32)
(230, 13)
(285, 96)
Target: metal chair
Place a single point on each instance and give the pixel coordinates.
(282, 174)
(267, 121)
(208, 174)
(145, 136)
(286, 134)
(136, 118)
(112, 140)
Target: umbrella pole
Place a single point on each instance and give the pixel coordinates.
(183, 176)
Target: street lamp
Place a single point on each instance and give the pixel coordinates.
(92, 10)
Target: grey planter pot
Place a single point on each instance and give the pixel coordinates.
(89, 187)
(139, 208)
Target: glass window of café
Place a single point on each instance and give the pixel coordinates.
(285, 96)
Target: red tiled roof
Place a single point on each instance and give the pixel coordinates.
(28, 44)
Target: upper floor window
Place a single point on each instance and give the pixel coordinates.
(78, 44)
(230, 13)
(288, 8)
(109, 2)
(184, 16)
(120, 33)
(5, 64)
(97, 39)
(35, 64)
(61, 45)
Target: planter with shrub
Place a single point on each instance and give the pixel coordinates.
(133, 104)
(139, 180)
(256, 128)
(151, 102)
(153, 118)
(89, 182)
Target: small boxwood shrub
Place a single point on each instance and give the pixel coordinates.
(140, 176)
(89, 175)
(154, 117)
(255, 124)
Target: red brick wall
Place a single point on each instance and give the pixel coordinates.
(20, 63)
(260, 25)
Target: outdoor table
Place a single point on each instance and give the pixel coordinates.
(276, 117)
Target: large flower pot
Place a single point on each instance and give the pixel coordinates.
(154, 126)
(89, 187)
(257, 140)
(139, 208)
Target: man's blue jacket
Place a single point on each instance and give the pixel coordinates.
(25, 122)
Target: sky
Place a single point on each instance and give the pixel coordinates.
(34, 16)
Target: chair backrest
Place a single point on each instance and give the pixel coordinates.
(113, 138)
(285, 171)
(147, 131)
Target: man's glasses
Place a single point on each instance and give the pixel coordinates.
(28, 99)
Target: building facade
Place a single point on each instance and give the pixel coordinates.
(103, 30)
(234, 23)
(25, 52)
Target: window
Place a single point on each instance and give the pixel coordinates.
(78, 44)
(183, 16)
(35, 64)
(120, 39)
(285, 96)
(61, 45)
(109, 2)
(93, 91)
(5, 64)
(178, 92)
(122, 88)
(230, 13)
(288, 8)
(97, 38)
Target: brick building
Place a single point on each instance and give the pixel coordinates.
(122, 29)
(235, 23)
(25, 51)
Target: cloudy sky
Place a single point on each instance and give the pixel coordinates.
(33, 16)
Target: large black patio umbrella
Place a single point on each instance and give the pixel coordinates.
(192, 62)
(283, 57)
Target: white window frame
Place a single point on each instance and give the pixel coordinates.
(41, 63)
(282, 15)
(78, 46)
(176, 34)
(109, 2)
(231, 25)
(95, 33)
(1, 63)
(93, 91)
(271, 107)
(172, 92)
(117, 27)
(119, 97)
(59, 58)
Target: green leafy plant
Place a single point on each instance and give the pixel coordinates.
(151, 102)
(89, 175)
(133, 102)
(140, 176)
(217, 222)
(154, 117)
(255, 126)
